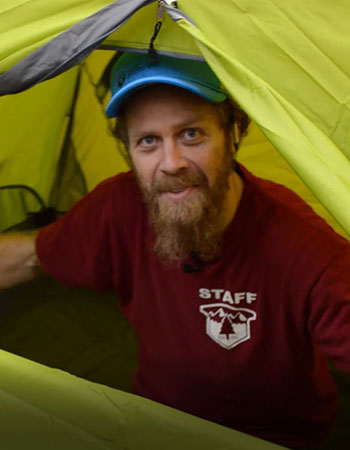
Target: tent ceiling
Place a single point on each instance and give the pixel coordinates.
(27, 24)
(138, 30)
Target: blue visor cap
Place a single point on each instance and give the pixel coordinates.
(134, 71)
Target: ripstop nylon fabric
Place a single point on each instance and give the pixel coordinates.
(43, 406)
(28, 24)
(289, 80)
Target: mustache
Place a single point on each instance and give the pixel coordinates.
(180, 181)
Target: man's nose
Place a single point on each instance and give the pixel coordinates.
(173, 158)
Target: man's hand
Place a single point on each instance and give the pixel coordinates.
(18, 259)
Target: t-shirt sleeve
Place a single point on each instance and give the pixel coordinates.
(76, 249)
(329, 319)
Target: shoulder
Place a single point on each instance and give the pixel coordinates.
(107, 205)
(282, 207)
(123, 183)
(290, 229)
(117, 201)
(113, 194)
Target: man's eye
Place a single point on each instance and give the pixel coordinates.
(147, 141)
(191, 134)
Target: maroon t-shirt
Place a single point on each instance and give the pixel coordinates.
(243, 340)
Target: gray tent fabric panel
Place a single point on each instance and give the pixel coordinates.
(69, 48)
(175, 13)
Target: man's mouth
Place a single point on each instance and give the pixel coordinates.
(179, 193)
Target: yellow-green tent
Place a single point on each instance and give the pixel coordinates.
(286, 63)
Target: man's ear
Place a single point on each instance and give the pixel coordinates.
(236, 135)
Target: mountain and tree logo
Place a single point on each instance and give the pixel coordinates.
(227, 325)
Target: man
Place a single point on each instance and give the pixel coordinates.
(237, 289)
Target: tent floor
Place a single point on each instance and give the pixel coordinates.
(76, 330)
(84, 333)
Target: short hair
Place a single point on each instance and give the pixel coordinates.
(229, 113)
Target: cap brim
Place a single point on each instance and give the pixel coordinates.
(120, 97)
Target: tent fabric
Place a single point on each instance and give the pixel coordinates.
(41, 406)
(66, 143)
(26, 25)
(135, 34)
(31, 144)
(308, 125)
(75, 44)
(262, 158)
(69, 48)
(291, 80)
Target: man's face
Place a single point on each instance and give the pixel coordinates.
(182, 158)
